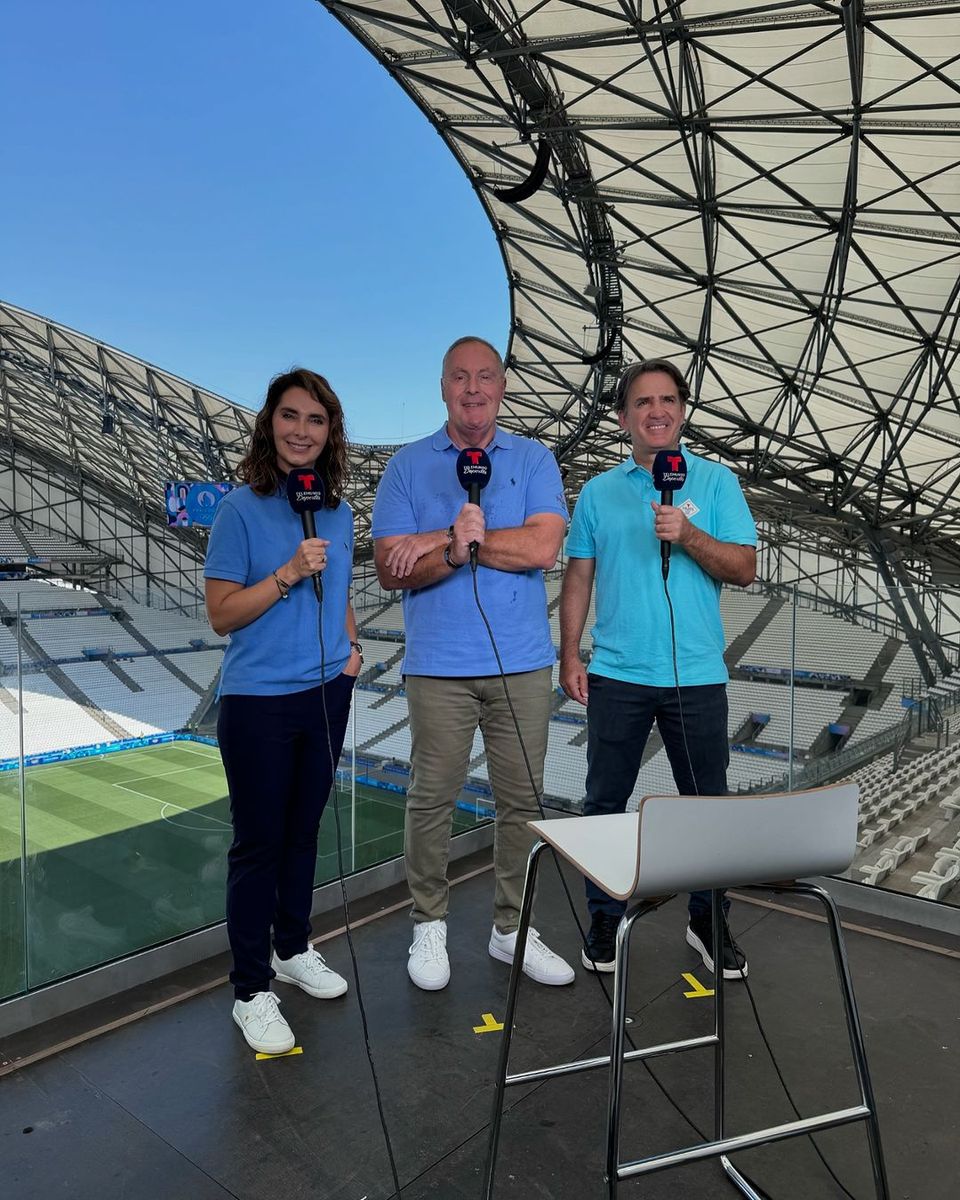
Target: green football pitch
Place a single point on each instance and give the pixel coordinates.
(128, 849)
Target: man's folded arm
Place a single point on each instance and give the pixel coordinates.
(532, 546)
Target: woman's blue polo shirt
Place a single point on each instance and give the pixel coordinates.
(279, 652)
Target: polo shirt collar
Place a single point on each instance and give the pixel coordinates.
(629, 464)
(501, 439)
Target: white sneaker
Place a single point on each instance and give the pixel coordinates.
(310, 972)
(428, 965)
(261, 1024)
(539, 962)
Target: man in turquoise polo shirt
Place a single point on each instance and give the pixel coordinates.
(614, 545)
(422, 533)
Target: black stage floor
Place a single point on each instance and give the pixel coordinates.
(172, 1105)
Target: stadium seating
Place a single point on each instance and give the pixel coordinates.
(118, 685)
(161, 663)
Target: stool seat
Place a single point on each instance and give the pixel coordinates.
(691, 844)
(696, 843)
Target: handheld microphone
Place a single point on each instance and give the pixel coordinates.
(669, 475)
(306, 494)
(473, 473)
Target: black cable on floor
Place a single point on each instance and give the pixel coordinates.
(728, 936)
(539, 800)
(346, 915)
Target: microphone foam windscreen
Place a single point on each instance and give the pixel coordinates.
(305, 490)
(473, 467)
(669, 471)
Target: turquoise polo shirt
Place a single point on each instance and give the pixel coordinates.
(613, 524)
(419, 492)
(279, 652)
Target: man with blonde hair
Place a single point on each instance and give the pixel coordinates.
(423, 532)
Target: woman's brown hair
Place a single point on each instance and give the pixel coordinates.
(259, 468)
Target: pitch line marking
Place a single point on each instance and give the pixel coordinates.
(159, 774)
(193, 812)
(199, 753)
(170, 804)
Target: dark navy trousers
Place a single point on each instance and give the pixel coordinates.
(619, 719)
(278, 764)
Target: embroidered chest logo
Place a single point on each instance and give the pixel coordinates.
(688, 508)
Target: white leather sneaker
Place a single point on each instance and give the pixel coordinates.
(428, 965)
(261, 1024)
(539, 962)
(310, 972)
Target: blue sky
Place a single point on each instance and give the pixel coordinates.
(225, 189)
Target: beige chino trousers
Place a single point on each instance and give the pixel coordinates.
(444, 715)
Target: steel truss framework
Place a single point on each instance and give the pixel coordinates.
(766, 193)
(89, 435)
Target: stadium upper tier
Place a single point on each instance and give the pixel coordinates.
(123, 424)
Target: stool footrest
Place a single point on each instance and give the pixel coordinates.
(729, 1145)
(590, 1064)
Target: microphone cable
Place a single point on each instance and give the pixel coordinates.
(346, 906)
(726, 930)
(537, 794)
(652, 906)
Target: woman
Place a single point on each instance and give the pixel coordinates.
(284, 704)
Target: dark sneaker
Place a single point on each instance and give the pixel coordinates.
(601, 950)
(700, 937)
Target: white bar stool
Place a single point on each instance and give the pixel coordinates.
(685, 844)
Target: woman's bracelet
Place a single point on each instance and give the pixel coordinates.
(282, 586)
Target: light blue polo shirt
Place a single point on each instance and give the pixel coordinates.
(613, 524)
(419, 492)
(279, 652)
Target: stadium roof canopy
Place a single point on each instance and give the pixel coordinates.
(89, 411)
(766, 193)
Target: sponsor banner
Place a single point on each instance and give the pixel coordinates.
(760, 751)
(784, 673)
(189, 504)
(41, 614)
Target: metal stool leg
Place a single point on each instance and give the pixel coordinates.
(617, 1038)
(719, 1028)
(516, 972)
(719, 1077)
(855, 1034)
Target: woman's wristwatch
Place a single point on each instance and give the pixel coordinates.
(356, 646)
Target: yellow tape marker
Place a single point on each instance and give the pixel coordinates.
(490, 1024)
(285, 1054)
(698, 988)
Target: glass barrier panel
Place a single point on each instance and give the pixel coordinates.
(375, 766)
(842, 694)
(125, 808)
(13, 967)
(126, 823)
